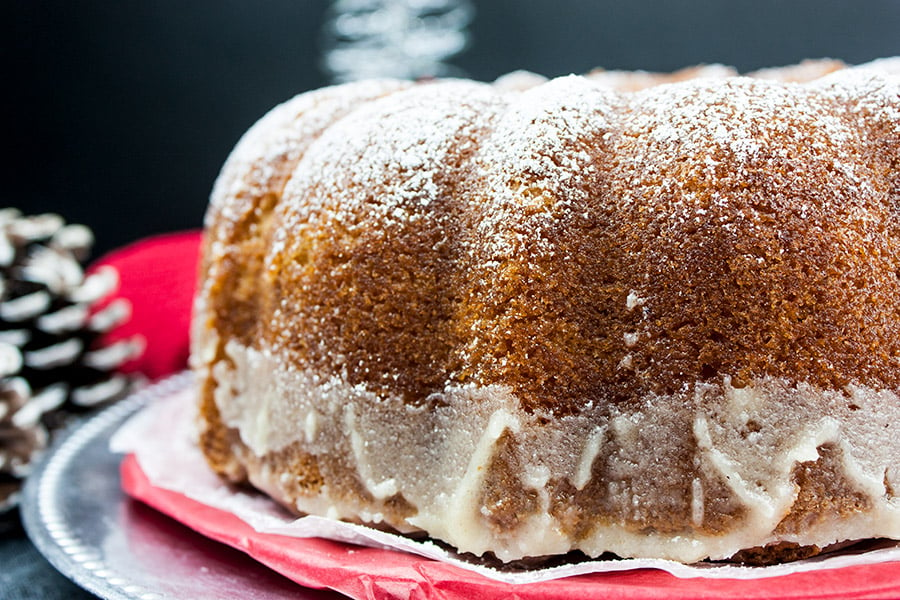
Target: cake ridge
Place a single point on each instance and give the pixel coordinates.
(403, 195)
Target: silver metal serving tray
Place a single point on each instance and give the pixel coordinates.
(78, 517)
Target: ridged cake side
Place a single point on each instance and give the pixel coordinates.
(537, 317)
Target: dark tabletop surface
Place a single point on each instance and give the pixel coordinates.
(25, 574)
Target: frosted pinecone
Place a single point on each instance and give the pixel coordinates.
(50, 365)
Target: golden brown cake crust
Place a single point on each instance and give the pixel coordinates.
(778, 280)
(699, 261)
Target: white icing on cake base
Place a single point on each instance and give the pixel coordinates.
(438, 456)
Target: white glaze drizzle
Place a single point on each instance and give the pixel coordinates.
(438, 459)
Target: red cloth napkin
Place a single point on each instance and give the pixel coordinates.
(158, 276)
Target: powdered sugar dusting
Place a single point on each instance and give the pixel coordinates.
(288, 129)
(872, 90)
(730, 117)
(284, 134)
(532, 157)
(537, 137)
(383, 161)
(632, 81)
(257, 169)
(807, 70)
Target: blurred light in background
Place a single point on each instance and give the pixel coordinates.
(406, 39)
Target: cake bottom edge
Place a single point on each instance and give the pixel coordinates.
(770, 469)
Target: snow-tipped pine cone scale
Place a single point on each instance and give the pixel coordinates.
(51, 364)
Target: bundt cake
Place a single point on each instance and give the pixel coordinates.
(652, 315)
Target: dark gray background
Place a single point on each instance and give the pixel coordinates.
(118, 113)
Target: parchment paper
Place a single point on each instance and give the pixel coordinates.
(161, 438)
